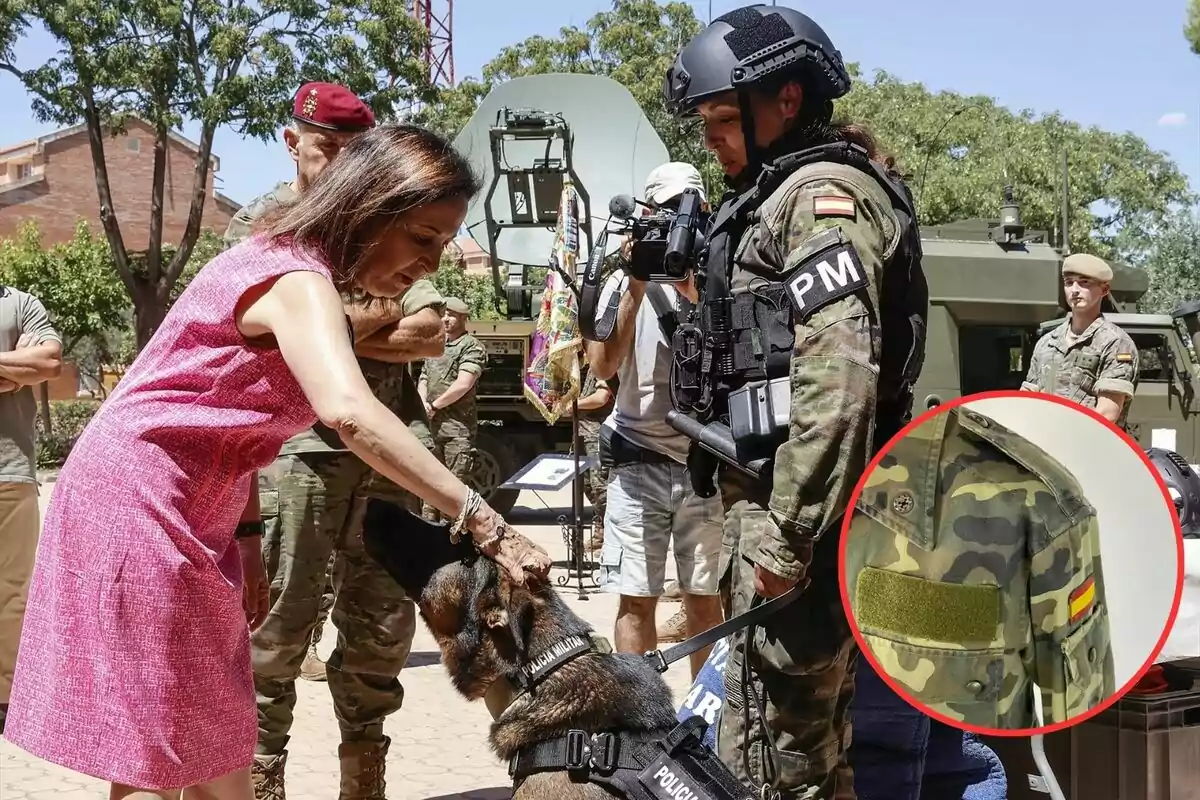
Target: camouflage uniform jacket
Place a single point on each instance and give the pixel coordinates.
(386, 380)
(973, 571)
(1101, 359)
(464, 354)
(242, 224)
(835, 364)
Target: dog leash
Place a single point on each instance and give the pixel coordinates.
(662, 660)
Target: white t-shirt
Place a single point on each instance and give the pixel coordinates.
(644, 393)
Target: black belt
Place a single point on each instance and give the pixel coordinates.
(617, 451)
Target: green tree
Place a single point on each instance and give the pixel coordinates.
(1170, 254)
(452, 280)
(959, 152)
(74, 280)
(212, 62)
(1191, 30)
(635, 44)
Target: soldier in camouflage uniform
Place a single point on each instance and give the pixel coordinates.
(973, 571)
(595, 402)
(1087, 359)
(447, 388)
(834, 233)
(312, 500)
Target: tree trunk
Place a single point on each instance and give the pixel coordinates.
(148, 314)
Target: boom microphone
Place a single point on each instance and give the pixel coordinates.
(622, 206)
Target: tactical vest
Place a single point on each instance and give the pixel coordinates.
(751, 336)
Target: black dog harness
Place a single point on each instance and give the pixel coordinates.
(644, 765)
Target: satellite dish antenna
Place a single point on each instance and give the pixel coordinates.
(528, 136)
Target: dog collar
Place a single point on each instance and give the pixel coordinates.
(511, 687)
(552, 658)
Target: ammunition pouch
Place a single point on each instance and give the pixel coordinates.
(636, 766)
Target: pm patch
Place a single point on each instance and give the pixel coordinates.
(829, 274)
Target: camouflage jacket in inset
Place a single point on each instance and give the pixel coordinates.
(973, 572)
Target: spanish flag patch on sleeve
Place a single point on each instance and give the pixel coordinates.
(1125, 358)
(833, 205)
(1081, 600)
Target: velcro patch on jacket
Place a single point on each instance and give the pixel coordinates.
(908, 606)
(1125, 358)
(832, 205)
(828, 275)
(1081, 600)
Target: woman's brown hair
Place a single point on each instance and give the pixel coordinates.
(816, 126)
(356, 200)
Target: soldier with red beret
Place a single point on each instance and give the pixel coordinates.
(315, 470)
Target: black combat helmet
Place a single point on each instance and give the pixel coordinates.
(1183, 484)
(748, 46)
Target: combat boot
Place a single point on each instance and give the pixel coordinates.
(313, 668)
(362, 766)
(671, 592)
(674, 629)
(267, 775)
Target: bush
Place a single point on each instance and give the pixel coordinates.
(68, 418)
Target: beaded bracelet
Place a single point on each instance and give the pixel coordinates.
(470, 508)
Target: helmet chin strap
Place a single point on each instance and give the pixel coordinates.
(753, 152)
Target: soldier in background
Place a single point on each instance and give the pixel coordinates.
(30, 354)
(1087, 359)
(595, 402)
(317, 490)
(447, 389)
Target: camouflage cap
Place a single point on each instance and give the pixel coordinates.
(457, 306)
(1087, 266)
(332, 107)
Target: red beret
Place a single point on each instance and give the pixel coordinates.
(333, 107)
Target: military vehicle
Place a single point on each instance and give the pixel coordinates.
(994, 287)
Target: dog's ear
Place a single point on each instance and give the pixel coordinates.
(521, 612)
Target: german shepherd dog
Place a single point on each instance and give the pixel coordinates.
(488, 628)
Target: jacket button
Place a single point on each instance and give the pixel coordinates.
(1091, 655)
(903, 503)
(974, 687)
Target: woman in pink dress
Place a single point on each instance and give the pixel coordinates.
(134, 663)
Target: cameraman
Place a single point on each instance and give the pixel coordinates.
(651, 504)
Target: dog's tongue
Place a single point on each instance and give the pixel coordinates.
(409, 548)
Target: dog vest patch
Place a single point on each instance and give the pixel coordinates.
(830, 274)
(666, 780)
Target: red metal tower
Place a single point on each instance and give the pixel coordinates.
(439, 49)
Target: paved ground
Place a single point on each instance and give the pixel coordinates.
(439, 746)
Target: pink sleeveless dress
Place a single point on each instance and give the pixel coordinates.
(134, 664)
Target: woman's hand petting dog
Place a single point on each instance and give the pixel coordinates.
(497, 540)
(519, 557)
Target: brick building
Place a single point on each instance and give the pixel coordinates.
(50, 179)
(476, 259)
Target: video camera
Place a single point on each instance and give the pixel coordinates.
(665, 246)
(667, 241)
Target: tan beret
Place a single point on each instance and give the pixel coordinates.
(457, 306)
(1087, 266)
